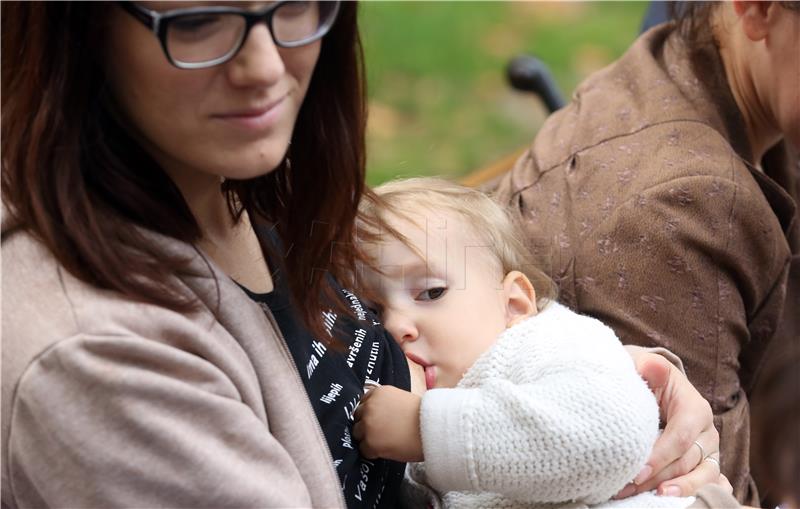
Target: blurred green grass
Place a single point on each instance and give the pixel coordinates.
(439, 101)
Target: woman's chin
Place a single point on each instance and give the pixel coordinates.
(251, 169)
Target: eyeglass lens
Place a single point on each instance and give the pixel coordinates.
(203, 37)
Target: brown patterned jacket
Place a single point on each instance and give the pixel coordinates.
(642, 200)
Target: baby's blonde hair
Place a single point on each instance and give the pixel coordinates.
(490, 222)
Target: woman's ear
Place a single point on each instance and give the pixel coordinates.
(756, 17)
(520, 297)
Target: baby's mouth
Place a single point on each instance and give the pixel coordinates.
(430, 371)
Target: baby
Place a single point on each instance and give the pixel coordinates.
(527, 402)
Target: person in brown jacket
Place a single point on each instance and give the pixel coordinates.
(663, 200)
(777, 437)
(160, 347)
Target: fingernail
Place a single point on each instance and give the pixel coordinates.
(625, 492)
(644, 475)
(671, 491)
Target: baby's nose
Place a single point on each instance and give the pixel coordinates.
(401, 327)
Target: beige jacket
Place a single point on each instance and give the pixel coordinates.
(112, 403)
(642, 200)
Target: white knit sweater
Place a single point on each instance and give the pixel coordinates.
(554, 413)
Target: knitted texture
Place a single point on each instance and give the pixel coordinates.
(649, 500)
(553, 413)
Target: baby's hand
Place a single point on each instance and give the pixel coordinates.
(387, 425)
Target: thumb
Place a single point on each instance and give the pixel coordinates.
(655, 371)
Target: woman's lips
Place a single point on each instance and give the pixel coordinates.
(257, 119)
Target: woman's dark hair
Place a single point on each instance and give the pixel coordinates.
(75, 178)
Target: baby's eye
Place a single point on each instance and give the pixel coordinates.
(375, 307)
(432, 293)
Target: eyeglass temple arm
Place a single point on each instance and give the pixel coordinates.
(140, 13)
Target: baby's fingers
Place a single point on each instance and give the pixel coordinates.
(364, 446)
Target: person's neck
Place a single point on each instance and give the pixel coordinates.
(205, 199)
(737, 59)
(209, 206)
(232, 244)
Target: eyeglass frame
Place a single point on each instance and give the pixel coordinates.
(158, 23)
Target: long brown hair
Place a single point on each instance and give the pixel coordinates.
(74, 178)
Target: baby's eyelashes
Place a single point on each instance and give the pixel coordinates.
(373, 306)
(432, 293)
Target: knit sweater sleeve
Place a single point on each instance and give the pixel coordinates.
(554, 412)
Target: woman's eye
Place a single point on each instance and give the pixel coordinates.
(290, 9)
(432, 293)
(196, 23)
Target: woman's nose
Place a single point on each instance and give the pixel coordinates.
(258, 62)
(401, 327)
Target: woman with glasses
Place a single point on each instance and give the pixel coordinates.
(180, 184)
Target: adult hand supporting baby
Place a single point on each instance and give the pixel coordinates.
(675, 466)
(387, 424)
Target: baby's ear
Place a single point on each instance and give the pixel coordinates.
(520, 297)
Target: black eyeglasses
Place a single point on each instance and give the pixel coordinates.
(200, 37)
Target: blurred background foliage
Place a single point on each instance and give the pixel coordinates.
(439, 102)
